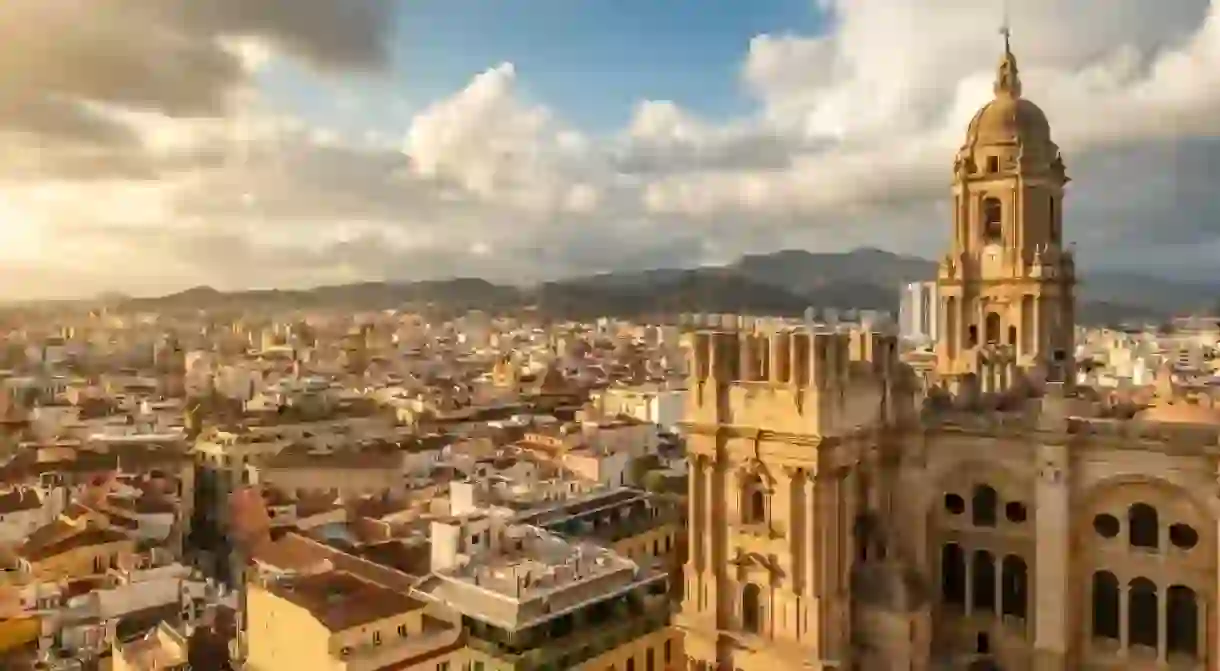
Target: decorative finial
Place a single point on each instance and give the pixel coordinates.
(1006, 30)
(1007, 81)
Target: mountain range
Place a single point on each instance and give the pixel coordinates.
(781, 283)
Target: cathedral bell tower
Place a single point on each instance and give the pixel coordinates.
(1007, 285)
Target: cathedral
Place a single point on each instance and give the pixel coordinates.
(845, 513)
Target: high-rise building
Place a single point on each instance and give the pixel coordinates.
(918, 316)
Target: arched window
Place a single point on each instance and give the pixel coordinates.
(751, 608)
(983, 506)
(1014, 583)
(993, 228)
(1105, 605)
(1142, 613)
(983, 583)
(953, 574)
(993, 328)
(1182, 612)
(1143, 526)
(753, 501)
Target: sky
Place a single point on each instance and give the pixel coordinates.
(147, 146)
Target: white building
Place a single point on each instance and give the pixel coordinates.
(918, 312)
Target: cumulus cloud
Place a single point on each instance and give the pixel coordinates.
(850, 143)
(501, 148)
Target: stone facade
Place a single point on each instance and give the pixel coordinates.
(846, 514)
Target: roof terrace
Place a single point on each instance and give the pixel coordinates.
(536, 576)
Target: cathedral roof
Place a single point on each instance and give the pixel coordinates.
(1009, 118)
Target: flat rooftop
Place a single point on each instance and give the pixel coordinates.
(534, 576)
(533, 562)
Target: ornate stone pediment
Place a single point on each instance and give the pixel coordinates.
(746, 561)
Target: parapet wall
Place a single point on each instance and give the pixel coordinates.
(796, 357)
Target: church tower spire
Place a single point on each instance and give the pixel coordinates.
(1008, 77)
(1007, 283)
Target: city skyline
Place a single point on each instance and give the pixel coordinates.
(277, 148)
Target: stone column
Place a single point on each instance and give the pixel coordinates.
(708, 471)
(828, 503)
(1053, 559)
(695, 517)
(1122, 618)
(812, 508)
(713, 533)
(1162, 623)
(968, 564)
(1036, 332)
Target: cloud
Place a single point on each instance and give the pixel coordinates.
(140, 156)
(66, 63)
(502, 149)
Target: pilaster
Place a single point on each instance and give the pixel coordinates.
(1052, 563)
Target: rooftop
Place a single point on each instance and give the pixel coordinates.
(534, 576)
(341, 601)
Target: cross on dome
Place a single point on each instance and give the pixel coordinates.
(1007, 79)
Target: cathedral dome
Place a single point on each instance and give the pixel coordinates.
(1009, 118)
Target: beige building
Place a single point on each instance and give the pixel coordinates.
(841, 519)
(339, 622)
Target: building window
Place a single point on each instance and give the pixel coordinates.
(631, 664)
(953, 574)
(376, 638)
(983, 506)
(669, 645)
(983, 583)
(754, 501)
(993, 328)
(1105, 525)
(751, 608)
(993, 164)
(1015, 512)
(650, 663)
(1105, 605)
(1183, 536)
(442, 666)
(973, 336)
(1142, 613)
(1144, 529)
(1182, 611)
(1014, 582)
(402, 630)
(993, 220)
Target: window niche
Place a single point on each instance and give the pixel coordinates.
(993, 218)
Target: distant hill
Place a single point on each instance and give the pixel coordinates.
(783, 283)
